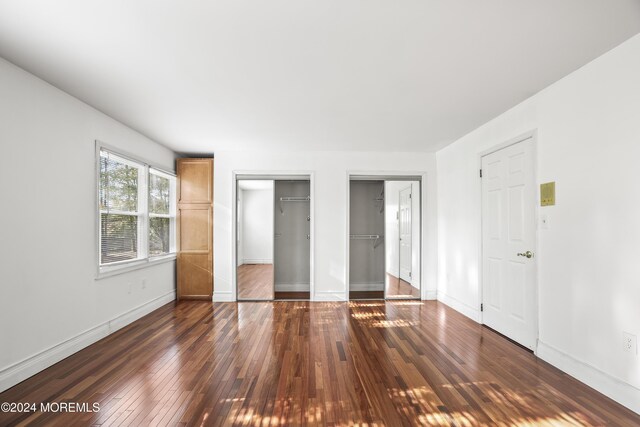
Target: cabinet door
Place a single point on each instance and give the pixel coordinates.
(195, 229)
(195, 256)
(195, 181)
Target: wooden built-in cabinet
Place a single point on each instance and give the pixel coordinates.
(195, 228)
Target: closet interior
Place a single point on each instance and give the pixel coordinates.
(384, 238)
(273, 239)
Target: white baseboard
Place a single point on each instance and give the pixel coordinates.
(30, 366)
(430, 295)
(615, 388)
(459, 306)
(292, 287)
(329, 296)
(359, 287)
(257, 261)
(223, 297)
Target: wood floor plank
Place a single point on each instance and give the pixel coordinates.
(392, 363)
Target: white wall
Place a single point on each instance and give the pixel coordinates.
(257, 225)
(330, 216)
(51, 305)
(588, 127)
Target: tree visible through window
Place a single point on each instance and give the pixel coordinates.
(119, 209)
(160, 218)
(137, 210)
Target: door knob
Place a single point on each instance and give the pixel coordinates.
(527, 254)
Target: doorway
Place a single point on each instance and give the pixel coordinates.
(509, 292)
(273, 239)
(384, 237)
(254, 242)
(292, 238)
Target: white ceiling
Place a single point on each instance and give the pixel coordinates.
(391, 75)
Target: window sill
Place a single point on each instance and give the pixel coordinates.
(109, 271)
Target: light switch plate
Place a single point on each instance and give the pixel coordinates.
(544, 222)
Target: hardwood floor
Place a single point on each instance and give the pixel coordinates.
(255, 281)
(356, 295)
(300, 363)
(293, 295)
(398, 288)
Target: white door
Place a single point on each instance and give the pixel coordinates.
(509, 242)
(405, 234)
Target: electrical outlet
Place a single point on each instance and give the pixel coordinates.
(629, 343)
(130, 287)
(144, 283)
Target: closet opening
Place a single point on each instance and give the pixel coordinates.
(273, 238)
(384, 237)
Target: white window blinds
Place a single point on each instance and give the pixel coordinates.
(119, 208)
(137, 211)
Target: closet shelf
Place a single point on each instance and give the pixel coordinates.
(377, 238)
(293, 199)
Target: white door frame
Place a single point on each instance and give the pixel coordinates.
(234, 227)
(533, 136)
(382, 175)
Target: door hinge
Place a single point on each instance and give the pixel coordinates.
(481, 307)
(480, 173)
(409, 195)
(409, 274)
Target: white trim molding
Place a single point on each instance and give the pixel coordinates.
(363, 287)
(430, 295)
(329, 296)
(30, 366)
(460, 307)
(292, 287)
(223, 297)
(615, 388)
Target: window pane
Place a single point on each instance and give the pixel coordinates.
(159, 193)
(119, 238)
(118, 185)
(159, 236)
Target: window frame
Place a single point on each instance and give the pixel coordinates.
(144, 258)
(172, 211)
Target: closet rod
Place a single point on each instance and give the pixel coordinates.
(293, 199)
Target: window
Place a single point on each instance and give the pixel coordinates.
(137, 212)
(162, 213)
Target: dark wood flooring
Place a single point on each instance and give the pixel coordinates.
(292, 295)
(356, 295)
(398, 288)
(299, 363)
(255, 281)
